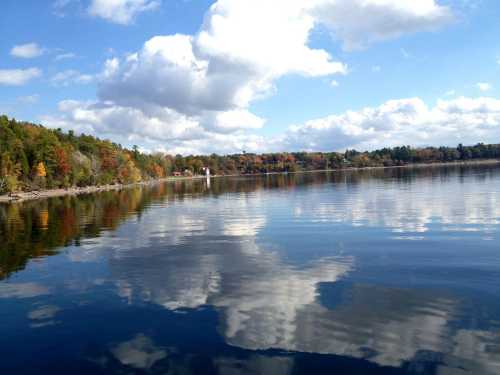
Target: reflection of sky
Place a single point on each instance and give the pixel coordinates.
(143, 354)
(407, 208)
(22, 290)
(43, 316)
(265, 302)
(140, 352)
(235, 253)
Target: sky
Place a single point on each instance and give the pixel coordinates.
(226, 76)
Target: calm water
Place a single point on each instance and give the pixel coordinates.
(374, 272)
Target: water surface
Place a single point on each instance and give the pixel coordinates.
(373, 272)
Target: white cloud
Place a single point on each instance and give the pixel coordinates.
(483, 86)
(358, 23)
(192, 93)
(121, 11)
(236, 119)
(61, 7)
(224, 67)
(394, 123)
(70, 76)
(18, 77)
(27, 51)
(279, 45)
(400, 122)
(450, 93)
(166, 130)
(334, 83)
(29, 99)
(65, 56)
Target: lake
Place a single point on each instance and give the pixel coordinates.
(393, 271)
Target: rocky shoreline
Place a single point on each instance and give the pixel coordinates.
(49, 193)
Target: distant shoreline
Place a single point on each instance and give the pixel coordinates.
(50, 193)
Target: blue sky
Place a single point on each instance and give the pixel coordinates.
(230, 75)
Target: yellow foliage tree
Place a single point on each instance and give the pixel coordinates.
(40, 170)
(135, 173)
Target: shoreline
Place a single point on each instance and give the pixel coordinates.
(50, 193)
(407, 166)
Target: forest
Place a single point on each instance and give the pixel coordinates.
(33, 157)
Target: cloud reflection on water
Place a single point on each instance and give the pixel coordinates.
(254, 257)
(265, 302)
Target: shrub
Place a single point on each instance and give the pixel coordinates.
(8, 184)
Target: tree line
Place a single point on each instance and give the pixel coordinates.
(33, 157)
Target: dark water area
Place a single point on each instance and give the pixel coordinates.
(391, 271)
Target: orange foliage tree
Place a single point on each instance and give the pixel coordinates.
(63, 165)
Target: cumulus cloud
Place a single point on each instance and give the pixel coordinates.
(18, 77)
(280, 43)
(228, 64)
(199, 87)
(70, 76)
(121, 11)
(358, 23)
(165, 130)
(400, 122)
(187, 90)
(394, 123)
(224, 67)
(192, 93)
(27, 51)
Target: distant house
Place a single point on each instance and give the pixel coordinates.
(177, 174)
